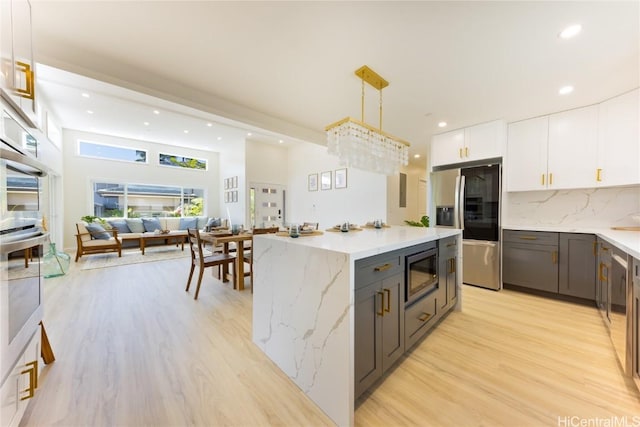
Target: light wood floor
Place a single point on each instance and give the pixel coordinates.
(134, 349)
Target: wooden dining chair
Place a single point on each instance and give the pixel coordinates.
(248, 255)
(198, 258)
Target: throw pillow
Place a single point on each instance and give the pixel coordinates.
(191, 222)
(151, 224)
(135, 225)
(214, 222)
(120, 225)
(202, 222)
(98, 232)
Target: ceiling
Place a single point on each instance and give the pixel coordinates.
(284, 70)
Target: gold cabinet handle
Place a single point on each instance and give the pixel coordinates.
(542, 180)
(424, 316)
(600, 272)
(382, 267)
(381, 312)
(33, 379)
(550, 179)
(595, 248)
(29, 91)
(452, 265)
(466, 151)
(450, 244)
(554, 257)
(388, 307)
(460, 152)
(528, 238)
(599, 175)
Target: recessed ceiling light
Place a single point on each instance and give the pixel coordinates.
(416, 156)
(442, 124)
(156, 112)
(565, 90)
(146, 123)
(209, 124)
(89, 111)
(85, 95)
(280, 141)
(219, 138)
(570, 31)
(248, 133)
(186, 131)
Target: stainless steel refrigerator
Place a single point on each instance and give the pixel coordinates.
(468, 198)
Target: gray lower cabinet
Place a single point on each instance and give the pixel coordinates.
(603, 274)
(530, 259)
(379, 317)
(448, 260)
(577, 269)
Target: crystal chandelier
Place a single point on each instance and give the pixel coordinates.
(362, 146)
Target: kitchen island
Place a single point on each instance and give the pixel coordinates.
(304, 305)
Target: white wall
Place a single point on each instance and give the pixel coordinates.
(364, 199)
(80, 171)
(602, 207)
(232, 164)
(396, 214)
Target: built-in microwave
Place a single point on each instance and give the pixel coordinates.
(422, 274)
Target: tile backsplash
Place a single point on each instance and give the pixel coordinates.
(591, 207)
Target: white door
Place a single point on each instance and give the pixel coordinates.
(267, 206)
(422, 197)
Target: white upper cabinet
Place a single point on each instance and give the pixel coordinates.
(573, 148)
(17, 67)
(618, 141)
(581, 148)
(483, 141)
(526, 160)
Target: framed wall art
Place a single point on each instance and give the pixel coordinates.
(341, 178)
(312, 182)
(325, 180)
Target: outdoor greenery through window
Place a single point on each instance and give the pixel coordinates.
(140, 200)
(182, 162)
(111, 152)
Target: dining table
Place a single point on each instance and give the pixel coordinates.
(224, 238)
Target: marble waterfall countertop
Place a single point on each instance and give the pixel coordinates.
(303, 306)
(368, 241)
(627, 241)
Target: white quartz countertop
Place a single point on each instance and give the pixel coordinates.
(627, 241)
(369, 241)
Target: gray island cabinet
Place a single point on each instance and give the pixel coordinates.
(330, 310)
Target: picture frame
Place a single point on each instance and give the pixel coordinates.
(325, 180)
(234, 182)
(226, 197)
(341, 178)
(312, 182)
(226, 183)
(235, 196)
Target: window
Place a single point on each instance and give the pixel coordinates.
(142, 200)
(182, 162)
(111, 152)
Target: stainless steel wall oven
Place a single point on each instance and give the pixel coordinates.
(21, 245)
(422, 274)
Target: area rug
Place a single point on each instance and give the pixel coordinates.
(132, 256)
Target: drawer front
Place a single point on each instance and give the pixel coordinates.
(376, 268)
(418, 317)
(537, 237)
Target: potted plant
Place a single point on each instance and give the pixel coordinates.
(424, 222)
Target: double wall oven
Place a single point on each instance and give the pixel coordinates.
(22, 237)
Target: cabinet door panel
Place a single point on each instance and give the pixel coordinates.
(573, 142)
(577, 269)
(393, 320)
(368, 337)
(484, 141)
(531, 266)
(447, 148)
(526, 161)
(618, 145)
